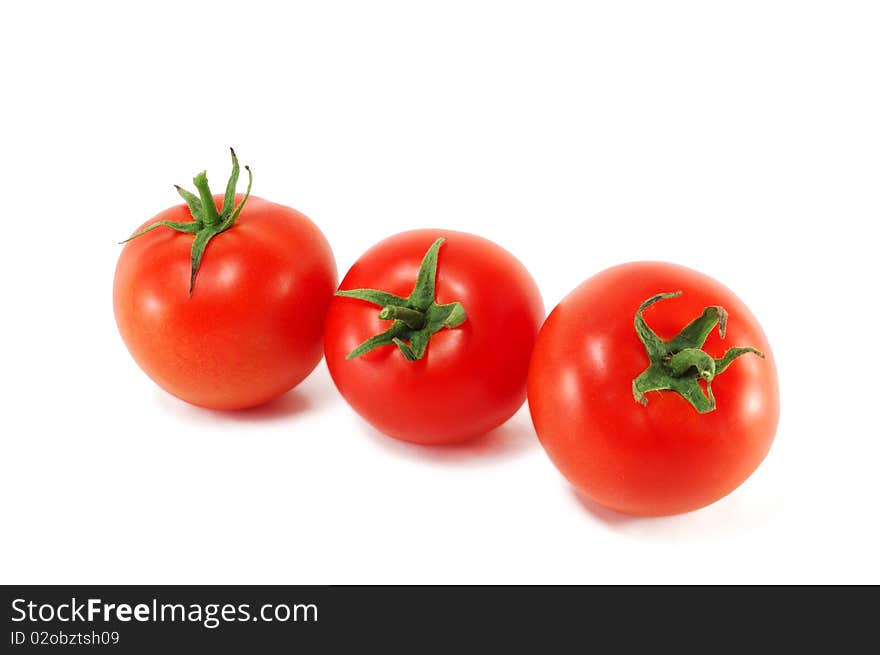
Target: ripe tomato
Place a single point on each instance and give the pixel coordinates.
(589, 372)
(239, 327)
(458, 369)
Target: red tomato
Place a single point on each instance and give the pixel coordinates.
(252, 328)
(663, 457)
(472, 375)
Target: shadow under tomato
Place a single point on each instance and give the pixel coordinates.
(290, 404)
(600, 512)
(315, 391)
(511, 439)
(729, 516)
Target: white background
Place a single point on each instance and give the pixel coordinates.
(742, 139)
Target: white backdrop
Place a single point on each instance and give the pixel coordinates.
(740, 139)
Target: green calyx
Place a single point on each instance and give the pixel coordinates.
(679, 364)
(207, 221)
(415, 318)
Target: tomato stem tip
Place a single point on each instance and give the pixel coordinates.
(207, 221)
(416, 318)
(680, 363)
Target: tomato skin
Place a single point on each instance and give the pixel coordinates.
(663, 458)
(252, 329)
(473, 377)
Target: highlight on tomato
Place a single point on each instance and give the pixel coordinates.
(221, 300)
(430, 335)
(653, 389)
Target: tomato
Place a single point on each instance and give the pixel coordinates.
(236, 325)
(458, 369)
(608, 420)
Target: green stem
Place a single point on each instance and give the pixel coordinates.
(680, 364)
(416, 318)
(209, 209)
(207, 222)
(684, 360)
(413, 318)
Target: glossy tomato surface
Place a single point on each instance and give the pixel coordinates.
(253, 327)
(472, 377)
(665, 457)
